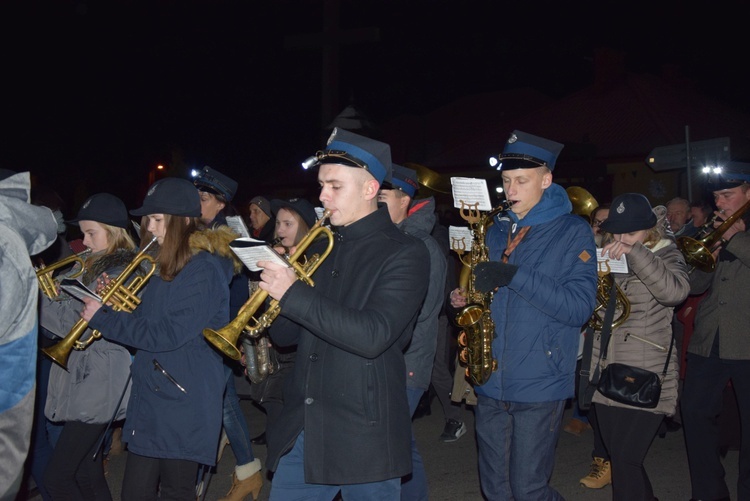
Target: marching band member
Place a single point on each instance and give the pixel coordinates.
(294, 218)
(346, 424)
(543, 265)
(719, 348)
(216, 192)
(86, 395)
(174, 412)
(655, 283)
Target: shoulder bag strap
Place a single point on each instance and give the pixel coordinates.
(587, 388)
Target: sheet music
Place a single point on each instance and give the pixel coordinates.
(250, 251)
(238, 226)
(77, 289)
(615, 265)
(470, 191)
(460, 237)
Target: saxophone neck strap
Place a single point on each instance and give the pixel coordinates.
(513, 243)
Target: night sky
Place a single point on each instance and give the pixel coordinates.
(98, 93)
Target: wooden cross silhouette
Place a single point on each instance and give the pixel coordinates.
(329, 41)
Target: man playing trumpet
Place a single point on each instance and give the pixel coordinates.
(346, 424)
(718, 349)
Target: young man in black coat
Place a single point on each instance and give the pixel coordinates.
(346, 424)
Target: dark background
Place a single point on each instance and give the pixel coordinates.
(96, 94)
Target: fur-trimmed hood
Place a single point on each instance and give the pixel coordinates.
(96, 265)
(216, 241)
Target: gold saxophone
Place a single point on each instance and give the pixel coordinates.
(475, 320)
(225, 339)
(118, 292)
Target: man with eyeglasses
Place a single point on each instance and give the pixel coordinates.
(598, 216)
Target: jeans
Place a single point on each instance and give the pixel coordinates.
(701, 401)
(414, 486)
(235, 424)
(516, 444)
(289, 482)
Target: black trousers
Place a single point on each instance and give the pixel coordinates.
(628, 435)
(153, 478)
(71, 473)
(702, 399)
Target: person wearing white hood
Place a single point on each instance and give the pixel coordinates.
(25, 230)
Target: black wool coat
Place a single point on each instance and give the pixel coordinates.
(348, 388)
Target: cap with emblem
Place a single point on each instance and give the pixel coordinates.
(173, 196)
(215, 182)
(353, 150)
(299, 205)
(629, 212)
(103, 208)
(734, 174)
(526, 151)
(402, 178)
(263, 204)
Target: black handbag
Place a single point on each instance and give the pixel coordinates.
(632, 385)
(620, 382)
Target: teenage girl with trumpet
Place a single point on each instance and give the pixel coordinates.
(175, 406)
(85, 396)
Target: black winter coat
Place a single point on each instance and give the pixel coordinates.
(348, 388)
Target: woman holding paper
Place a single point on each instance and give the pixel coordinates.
(294, 218)
(656, 281)
(86, 396)
(174, 417)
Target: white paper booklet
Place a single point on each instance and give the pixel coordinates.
(77, 289)
(250, 251)
(238, 226)
(470, 191)
(606, 263)
(461, 238)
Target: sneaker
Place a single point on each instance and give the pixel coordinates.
(453, 430)
(599, 476)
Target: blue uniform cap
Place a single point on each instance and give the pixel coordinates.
(404, 179)
(526, 151)
(215, 182)
(347, 148)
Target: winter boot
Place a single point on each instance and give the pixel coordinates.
(599, 476)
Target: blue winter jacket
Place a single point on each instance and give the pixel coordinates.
(163, 421)
(538, 316)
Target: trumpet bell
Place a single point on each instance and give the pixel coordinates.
(225, 340)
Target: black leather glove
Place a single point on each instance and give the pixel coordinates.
(492, 274)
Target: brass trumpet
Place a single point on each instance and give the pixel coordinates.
(225, 339)
(698, 253)
(122, 296)
(44, 274)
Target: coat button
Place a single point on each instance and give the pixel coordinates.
(724, 279)
(309, 401)
(314, 357)
(722, 303)
(335, 273)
